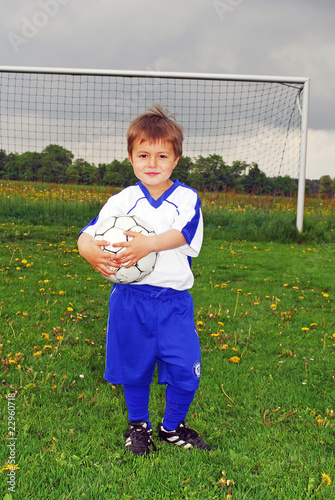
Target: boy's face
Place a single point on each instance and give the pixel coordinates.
(153, 164)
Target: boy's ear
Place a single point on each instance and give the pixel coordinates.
(130, 158)
(176, 161)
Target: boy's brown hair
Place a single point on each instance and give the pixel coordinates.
(156, 125)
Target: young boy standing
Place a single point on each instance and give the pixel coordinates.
(152, 322)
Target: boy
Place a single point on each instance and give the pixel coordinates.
(152, 322)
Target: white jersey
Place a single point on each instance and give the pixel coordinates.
(178, 208)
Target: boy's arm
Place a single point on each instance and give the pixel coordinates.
(94, 255)
(142, 245)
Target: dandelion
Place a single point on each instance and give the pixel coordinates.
(10, 467)
(234, 359)
(325, 479)
(305, 329)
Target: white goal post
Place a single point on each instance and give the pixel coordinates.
(254, 119)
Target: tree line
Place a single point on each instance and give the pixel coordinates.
(57, 165)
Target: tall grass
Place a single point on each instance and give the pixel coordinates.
(239, 216)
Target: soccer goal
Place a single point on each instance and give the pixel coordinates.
(253, 119)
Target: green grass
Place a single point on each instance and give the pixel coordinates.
(269, 417)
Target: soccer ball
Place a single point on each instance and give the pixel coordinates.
(112, 230)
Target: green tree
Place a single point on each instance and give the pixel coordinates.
(182, 169)
(119, 173)
(210, 174)
(284, 186)
(326, 186)
(81, 172)
(3, 161)
(256, 181)
(55, 162)
(11, 170)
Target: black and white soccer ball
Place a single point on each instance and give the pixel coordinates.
(112, 229)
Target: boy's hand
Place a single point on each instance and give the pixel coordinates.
(92, 251)
(135, 249)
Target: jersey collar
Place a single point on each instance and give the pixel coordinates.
(157, 203)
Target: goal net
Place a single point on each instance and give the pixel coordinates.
(256, 120)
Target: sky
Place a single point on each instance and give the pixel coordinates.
(249, 37)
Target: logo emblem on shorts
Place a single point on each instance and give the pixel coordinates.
(197, 369)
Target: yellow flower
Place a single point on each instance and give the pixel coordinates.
(326, 479)
(234, 359)
(10, 467)
(224, 347)
(37, 353)
(46, 336)
(305, 329)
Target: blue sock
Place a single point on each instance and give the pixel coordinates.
(137, 401)
(178, 402)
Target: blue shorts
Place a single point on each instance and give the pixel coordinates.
(149, 325)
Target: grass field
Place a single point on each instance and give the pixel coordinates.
(265, 315)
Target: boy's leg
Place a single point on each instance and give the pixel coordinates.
(138, 437)
(173, 428)
(137, 401)
(178, 402)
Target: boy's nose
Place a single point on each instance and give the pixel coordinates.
(153, 162)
